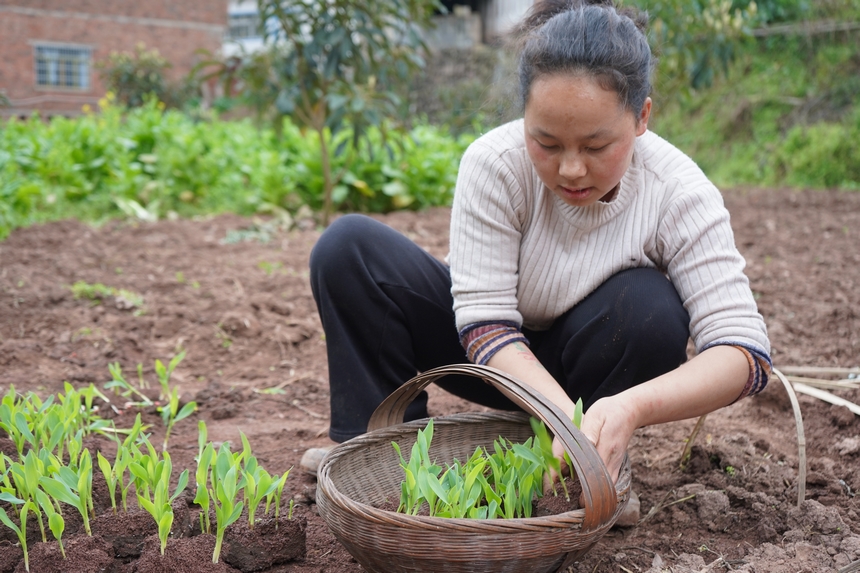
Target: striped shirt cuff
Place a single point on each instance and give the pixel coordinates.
(483, 339)
(760, 363)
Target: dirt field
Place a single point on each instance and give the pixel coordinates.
(234, 293)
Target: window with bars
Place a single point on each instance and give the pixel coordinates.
(243, 26)
(63, 66)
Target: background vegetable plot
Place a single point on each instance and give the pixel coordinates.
(255, 362)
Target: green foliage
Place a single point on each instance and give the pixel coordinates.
(336, 62)
(229, 482)
(788, 116)
(152, 486)
(148, 163)
(168, 397)
(21, 515)
(695, 40)
(134, 77)
(40, 481)
(32, 423)
(123, 298)
(820, 155)
(224, 494)
(498, 484)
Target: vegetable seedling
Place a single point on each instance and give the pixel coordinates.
(152, 485)
(225, 484)
(201, 478)
(73, 486)
(501, 483)
(55, 519)
(21, 531)
(256, 483)
(163, 373)
(124, 388)
(170, 414)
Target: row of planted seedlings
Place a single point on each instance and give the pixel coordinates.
(506, 482)
(52, 472)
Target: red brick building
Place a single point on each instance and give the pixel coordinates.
(49, 48)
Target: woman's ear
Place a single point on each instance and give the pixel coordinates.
(644, 116)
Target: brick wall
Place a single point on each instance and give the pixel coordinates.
(177, 28)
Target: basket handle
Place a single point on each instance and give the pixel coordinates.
(598, 489)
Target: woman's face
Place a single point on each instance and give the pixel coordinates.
(579, 137)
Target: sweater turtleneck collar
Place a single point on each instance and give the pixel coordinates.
(600, 213)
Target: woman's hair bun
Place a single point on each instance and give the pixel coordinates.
(544, 10)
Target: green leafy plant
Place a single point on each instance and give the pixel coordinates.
(201, 478)
(20, 531)
(503, 483)
(335, 62)
(25, 483)
(55, 519)
(14, 422)
(224, 494)
(152, 485)
(124, 299)
(171, 413)
(114, 473)
(135, 76)
(274, 497)
(72, 485)
(124, 388)
(257, 484)
(164, 372)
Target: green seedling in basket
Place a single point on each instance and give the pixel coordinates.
(503, 483)
(412, 494)
(544, 440)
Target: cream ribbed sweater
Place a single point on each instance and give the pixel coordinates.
(520, 254)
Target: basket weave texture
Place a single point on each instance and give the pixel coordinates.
(362, 474)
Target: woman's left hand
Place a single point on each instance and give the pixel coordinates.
(609, 424)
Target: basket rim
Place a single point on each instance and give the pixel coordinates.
(561, 521)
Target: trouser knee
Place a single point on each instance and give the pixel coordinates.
(629, 330)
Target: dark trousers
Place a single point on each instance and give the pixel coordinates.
(387, 312)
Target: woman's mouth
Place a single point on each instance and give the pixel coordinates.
(576, 192)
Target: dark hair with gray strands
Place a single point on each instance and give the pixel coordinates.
(590, 38)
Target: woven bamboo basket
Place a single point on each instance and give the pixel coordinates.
(362, 474)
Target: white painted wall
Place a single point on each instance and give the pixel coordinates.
(502, 15)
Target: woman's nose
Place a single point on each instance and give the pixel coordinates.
(572, 166)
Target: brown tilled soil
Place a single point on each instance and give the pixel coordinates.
(234, 293)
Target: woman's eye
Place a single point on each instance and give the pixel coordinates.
(601, 148)
(546, 145)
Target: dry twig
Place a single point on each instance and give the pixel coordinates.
(801, 437)
(688, 449)
(844, 384)
(826, 396)
(819, 370)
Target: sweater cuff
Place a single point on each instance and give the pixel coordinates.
(760, 364)
(483, 339)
